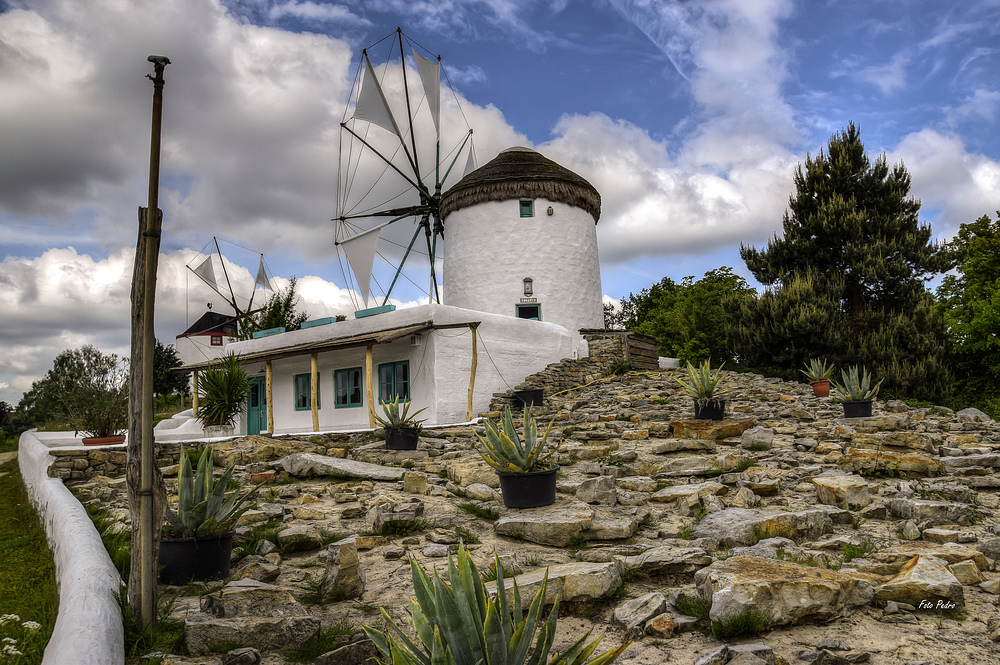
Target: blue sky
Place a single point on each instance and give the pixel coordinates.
(689, 117)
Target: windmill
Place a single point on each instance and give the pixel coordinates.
(390, 169)
(203, 266)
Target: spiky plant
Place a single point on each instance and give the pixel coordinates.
(459, 624)
(702, 385)
(203, 507)
(396, 418)
(507, 449)
(856, 386)
(222, 391)
(817, 370)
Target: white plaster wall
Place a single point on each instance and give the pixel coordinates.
(88, 629)
(439, 367)
(198, 348)
(491, 249)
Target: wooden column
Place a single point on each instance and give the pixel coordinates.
(267, 397)
(194, 393)
(368, 386)
(475, 361)
(314, 391)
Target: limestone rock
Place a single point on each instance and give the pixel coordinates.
(607, 524)
(742, 526)
(842, 491)
(482, 492)
(681, 492)
(299, 538)
(931, 512)
(633, 614)
(464, 473)
(758, 437)
(711, 430)
(785, 592)
(926, 583)
(554, 525)
(912, 464)
(250, 613)
(303, 465)
(600, 490)
(572, 582)
(344, 577)
(667, 559)
(414, 483)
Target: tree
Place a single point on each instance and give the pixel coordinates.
(688, 319)
(165, 381)
(278, 311)
(852, 237)
(970, 304)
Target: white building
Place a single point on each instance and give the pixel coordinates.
(521, 279)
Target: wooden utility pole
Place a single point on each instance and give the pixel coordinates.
(146, 491)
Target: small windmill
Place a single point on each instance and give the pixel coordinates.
(203, 265)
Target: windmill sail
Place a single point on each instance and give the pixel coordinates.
(360, 251)
(261, 279)
(430, 78)
(372, 105)
(207, 272)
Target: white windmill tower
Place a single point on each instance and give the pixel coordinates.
(522, 241)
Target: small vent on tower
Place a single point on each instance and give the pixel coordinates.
(416, 340)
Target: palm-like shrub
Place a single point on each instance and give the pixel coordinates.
(856, 386)
(702, 385)
(507, 449)
(203, 507)
(459, 624)
(222, 391)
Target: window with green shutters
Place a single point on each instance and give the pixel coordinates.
(349, 387)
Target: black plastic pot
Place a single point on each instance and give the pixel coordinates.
(528, 490)
(531, 397)
(858, 409)
(201, 558)
(401, 438)
(713, 410)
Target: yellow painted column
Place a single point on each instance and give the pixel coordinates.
(194, 394)
(267, 398)
(314, 392)
(368, 386)
(472, 375)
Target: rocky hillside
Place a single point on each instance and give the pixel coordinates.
(785, 533)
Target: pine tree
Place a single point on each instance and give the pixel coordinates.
(852, 223)
(280, 310)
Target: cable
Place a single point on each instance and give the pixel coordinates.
(499, 373)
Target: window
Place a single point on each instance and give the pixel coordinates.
(533, 312)
(216, 340)
(527, 208)
(348, 386)
(394, 381)
(303, 392)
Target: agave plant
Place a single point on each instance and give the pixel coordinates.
(506, 449)
(856, 386)
(817, 370)
(203, 507)
(223, 392)
(459, 624)
(702, 385)
(396, 418)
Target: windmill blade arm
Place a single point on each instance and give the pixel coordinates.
(398, 213)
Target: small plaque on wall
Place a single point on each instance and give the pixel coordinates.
(529, 299)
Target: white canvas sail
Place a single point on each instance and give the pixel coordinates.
(360, 251)
(261, 279)
(207, 272)
(470, 165)
(372, 105)
(430, 78)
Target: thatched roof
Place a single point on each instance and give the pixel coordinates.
(522, 173)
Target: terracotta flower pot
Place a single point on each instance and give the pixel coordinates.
(104, 440)
(821, 387)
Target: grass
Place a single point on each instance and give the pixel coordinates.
(260, 532)
(694, 606)
(28, 591)
(748, 622)
(164, 636)
(326, 640)
(8, 442)
(486, 513)
(852, 551)
(398, 528)
(467, 536)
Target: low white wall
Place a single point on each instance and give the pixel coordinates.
(89, 627)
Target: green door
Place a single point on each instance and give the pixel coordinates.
(257, 406)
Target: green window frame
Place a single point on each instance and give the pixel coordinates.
(348, 388)
(526, 311)
(527, 208)
(394, 381)
(302, 387)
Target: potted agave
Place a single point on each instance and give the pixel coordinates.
(197, 540)
(223, 392)
(856, 392)
(462, 623)
(527, 478)
(402, 429)
(818, 373)
(704, 388)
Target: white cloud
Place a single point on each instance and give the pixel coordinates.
(311, 11)
(981, 104)
(889, 77)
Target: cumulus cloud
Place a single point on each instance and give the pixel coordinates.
(889, 77)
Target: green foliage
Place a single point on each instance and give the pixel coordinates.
(688, 319)
(846, 280)
(459, 624)
(694, 606)
(817, 369)
(856, 385)
(395, 418)
(702, 385)
(203, 508)
(223, 389)
(165, 381)
(163, 636)
(98, 404)
(970, 304)
(852, 551)
(507, 449)
(750, 621)
(279, 311)
(326, 640)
